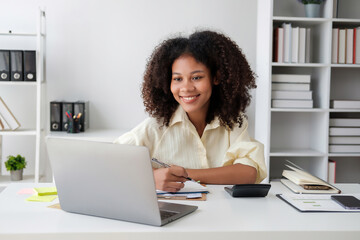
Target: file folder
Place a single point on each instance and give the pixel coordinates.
(16, 65)
(66, 106)
(29, 65)
(55, 116)
(4, 65)
(83, 108)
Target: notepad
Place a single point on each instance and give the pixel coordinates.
(45, 191)
(190, 187)
(36, 198)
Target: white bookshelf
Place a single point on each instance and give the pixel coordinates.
(302, 135)
(27, 102)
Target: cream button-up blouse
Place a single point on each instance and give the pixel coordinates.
(180, 144)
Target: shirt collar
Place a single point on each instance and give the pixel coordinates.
(181, 116)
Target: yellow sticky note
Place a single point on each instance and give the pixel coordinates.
(35, 198)
(44, 191)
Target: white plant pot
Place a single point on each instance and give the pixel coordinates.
(312, 10)
(16, 175)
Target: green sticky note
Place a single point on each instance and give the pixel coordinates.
(45, 191)
(35, 198)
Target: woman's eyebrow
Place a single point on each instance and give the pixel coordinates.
(196, 71)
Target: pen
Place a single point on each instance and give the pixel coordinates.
(167, 166)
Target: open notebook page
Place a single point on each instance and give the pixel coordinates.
(190, 187)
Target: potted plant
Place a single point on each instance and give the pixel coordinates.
(312, 7)
(16, 166)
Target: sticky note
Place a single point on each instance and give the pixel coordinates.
(26, 191)
(35, 198)
(45, 191)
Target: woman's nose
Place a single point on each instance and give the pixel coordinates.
(187, 85)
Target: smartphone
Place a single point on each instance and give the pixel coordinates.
(348, 202)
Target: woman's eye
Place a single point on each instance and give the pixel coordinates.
(177, 79)
(197, 78)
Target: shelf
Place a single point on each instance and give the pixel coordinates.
(298, 110)
(21, 132)
(346, 65)
(278, 152)
(276, 64)
(19, 83)
(18, 34)
(344, 154)
(346, 20)
(303, 20)
(105, 135)
(5, 180)
(344, 110)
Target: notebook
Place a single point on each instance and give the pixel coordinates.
(109, 180)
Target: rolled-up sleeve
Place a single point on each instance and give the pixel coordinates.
(127, 138)
(248, 153)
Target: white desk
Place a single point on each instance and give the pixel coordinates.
(220, 217)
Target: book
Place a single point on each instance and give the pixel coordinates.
(331, 171)
(345, 104)
(344, 140)
(295, 45)
(357, 44)
(7, 116)
(302, 45)
(300, 181)
(290, 78)
(354, 47)
(342, 45)
(344, 148)
(291, 103)
(308, 46)
(344, 122)
(349, 46)
(290, 86)
(278, 45)
(287, 42)
(335, 45)
(304, 95)
(344, 131)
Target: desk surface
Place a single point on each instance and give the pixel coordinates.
(220, 217)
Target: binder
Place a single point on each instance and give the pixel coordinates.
(83, 108)
(55, 116)
(66, 106)
(16, 65)
(29, 65)
(4, 65)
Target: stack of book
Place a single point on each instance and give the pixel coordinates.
(346, 46)
(7, 119)
(291, 91)
(348, 104)
(344, 135)
(292, 44)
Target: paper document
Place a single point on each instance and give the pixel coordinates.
(315, 202)
(190, 187)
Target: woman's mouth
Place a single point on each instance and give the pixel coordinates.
(189, 99)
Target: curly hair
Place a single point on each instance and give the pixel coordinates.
(221, 56)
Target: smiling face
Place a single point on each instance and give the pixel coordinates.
(191, 86)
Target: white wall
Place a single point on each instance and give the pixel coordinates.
(97, 50)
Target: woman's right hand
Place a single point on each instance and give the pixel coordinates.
(170, 179)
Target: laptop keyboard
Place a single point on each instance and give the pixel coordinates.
(166, 214)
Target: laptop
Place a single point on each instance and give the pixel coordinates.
(109, 180)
